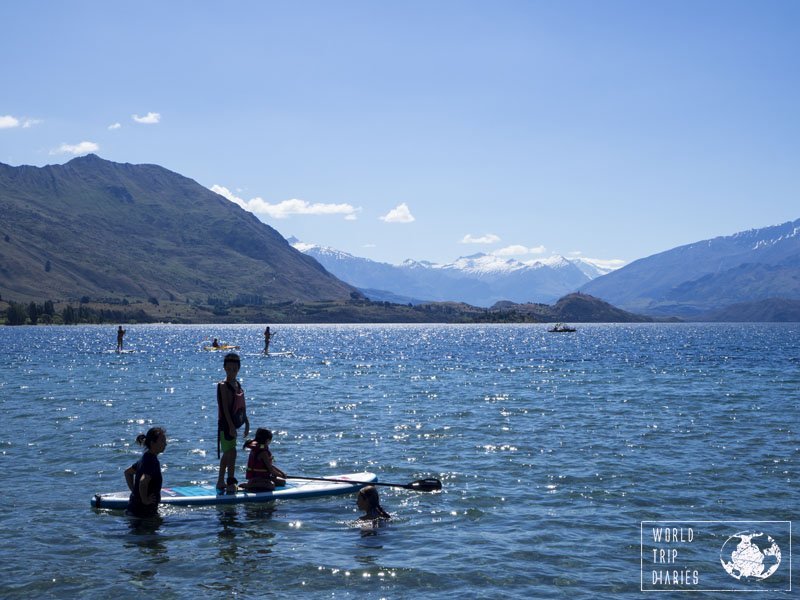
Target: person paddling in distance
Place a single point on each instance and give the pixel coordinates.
(144, 476)
(267, 338)
(262, 474)
(231, 414)
(369, 501)
(120, 334)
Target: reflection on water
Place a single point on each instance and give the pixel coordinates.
(145, 535)
(551, 451)
(145, 532)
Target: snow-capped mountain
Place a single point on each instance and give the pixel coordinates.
(490, 265)
(479, 279)
(746, 267)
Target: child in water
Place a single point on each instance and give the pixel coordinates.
(369, 501)
(144, 476)
(262, 474)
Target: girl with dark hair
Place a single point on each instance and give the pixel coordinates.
(144, 477)
(369, 501)
(262, 474)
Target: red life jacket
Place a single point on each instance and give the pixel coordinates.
(237, 409)
(256, 469)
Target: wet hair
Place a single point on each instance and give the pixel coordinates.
(231, 357)
(151, 437)
(370, 494)
(263, 436)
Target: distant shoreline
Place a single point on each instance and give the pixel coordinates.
(575, 308)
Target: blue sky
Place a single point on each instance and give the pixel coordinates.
(430, 130)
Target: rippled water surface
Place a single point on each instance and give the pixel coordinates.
(552, 449)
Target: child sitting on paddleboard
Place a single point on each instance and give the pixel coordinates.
(262, 474)
(369, 501)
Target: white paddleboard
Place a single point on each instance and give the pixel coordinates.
(200, 495)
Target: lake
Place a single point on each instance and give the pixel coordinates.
(564, 459)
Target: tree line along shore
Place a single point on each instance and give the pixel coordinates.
(576, 307)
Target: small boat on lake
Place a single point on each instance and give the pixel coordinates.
(220, 348)
(561, 328)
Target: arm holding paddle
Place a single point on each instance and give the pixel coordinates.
(262, 474)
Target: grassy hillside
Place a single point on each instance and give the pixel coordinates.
(108, 231)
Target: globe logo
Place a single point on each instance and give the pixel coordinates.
(750, 554)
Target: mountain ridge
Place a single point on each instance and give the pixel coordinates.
(156, 234)
(708, 275)
(479, 279)
(113, 233)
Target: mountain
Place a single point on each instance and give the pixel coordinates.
(479, 280)
(710, 275)
(769, 310)
(575, 308)
(96, 229)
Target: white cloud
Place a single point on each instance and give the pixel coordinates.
(77, 149)
(489, 238)
(150, 118)
(399, 214)
(287, 208)
(519, 250)
(114, 126)
(7, 122)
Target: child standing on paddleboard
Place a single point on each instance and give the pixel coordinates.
(144, 477)
(262, 474)
(231, 414)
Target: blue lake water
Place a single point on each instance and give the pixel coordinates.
(552, 448)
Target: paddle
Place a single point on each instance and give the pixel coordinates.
(421, 485)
